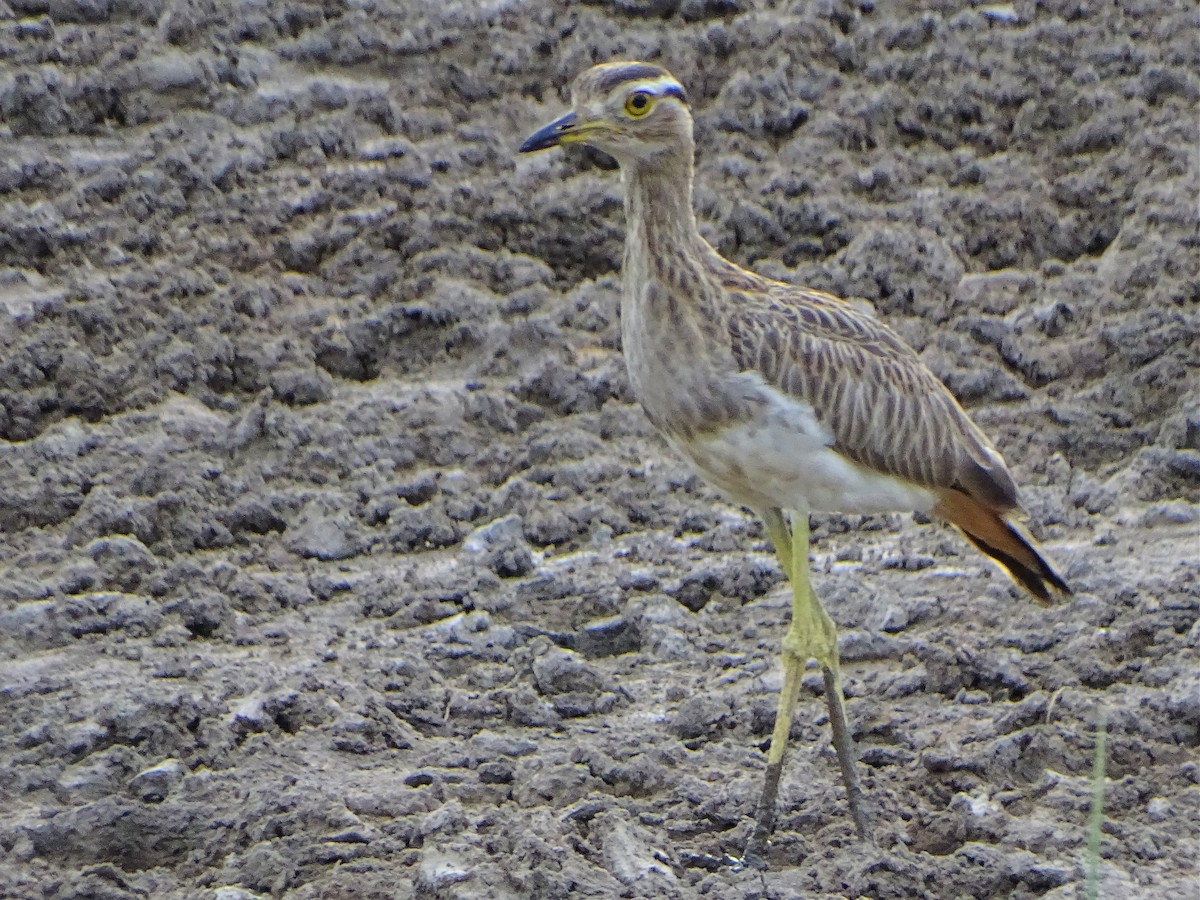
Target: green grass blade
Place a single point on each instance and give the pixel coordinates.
(1096, 819)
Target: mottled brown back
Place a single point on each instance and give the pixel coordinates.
(885, 409)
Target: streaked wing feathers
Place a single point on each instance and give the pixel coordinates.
(886, 410)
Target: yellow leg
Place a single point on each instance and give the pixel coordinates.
(811, 635)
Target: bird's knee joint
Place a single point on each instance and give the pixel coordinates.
(819, 643)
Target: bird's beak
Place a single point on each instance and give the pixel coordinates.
(563, 130)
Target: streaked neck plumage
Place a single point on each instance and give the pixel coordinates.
(672, 330)
(660, 223)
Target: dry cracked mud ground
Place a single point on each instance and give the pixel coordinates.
(336, 560)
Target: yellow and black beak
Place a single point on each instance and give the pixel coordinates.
(560, 131)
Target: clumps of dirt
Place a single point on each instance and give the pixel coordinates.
(338, 561)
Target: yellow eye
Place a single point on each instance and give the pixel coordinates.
(638, 104)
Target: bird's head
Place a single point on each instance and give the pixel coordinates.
(634, 111)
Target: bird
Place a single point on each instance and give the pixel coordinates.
(788, 400)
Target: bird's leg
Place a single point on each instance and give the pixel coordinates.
(811, 635)
(764, 825)
(843, 743)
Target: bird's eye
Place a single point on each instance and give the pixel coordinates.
(638, 104)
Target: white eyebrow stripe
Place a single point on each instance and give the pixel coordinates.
(660, 87)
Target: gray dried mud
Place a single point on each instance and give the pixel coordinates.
(336, 560)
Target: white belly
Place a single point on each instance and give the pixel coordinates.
(784, 459)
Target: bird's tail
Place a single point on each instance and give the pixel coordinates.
(1004, 541)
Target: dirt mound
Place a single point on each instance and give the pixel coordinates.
(337, 561)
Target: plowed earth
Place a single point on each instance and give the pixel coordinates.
(337, 561)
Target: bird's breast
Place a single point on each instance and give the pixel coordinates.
(683, 382)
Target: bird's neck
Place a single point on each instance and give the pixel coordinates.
(660, 221)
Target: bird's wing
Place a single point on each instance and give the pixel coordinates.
(884, 408)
